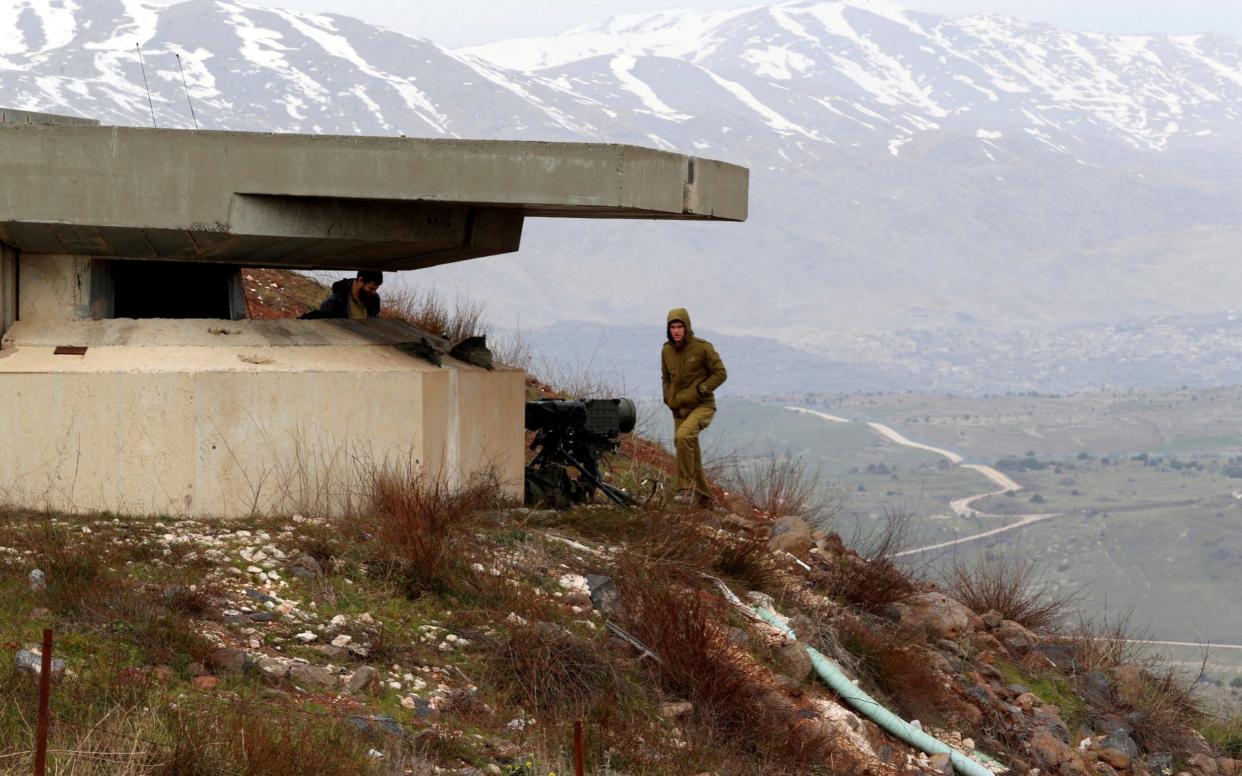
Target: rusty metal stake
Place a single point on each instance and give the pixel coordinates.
(45, 695)
(578, 769)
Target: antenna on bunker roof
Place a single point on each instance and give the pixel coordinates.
(146, 85)
(187, 92)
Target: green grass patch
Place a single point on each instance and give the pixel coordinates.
(1050, 688)
(1225, 735)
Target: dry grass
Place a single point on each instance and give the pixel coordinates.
(546, 669)
(869, 579)
(1158, 701)
(777, 486)
(1012, 586)
(745, 558)
(679, 540)
(422, 529)
(512, 349)
(76, 571)
(232, 739)
(885, 659)
(580, 379)
(1107, 643)
(735, 706)
(1224, 733)
(430, 311)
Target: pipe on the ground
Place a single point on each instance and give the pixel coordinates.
(871, 709)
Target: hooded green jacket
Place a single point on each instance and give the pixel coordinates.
(692, 371)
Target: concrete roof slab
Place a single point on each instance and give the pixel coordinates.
(360, 202)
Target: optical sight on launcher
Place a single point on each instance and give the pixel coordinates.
(574, 434)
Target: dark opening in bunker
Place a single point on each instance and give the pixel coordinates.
(166, 289)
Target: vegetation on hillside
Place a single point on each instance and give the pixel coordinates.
(440, 629)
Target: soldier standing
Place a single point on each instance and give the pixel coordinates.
(691, 371)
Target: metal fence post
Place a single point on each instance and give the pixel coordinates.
(45, 696)
(578, 768)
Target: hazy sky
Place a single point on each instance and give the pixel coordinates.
(463, 22)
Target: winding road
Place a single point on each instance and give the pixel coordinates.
(962, 506)
(965, 507)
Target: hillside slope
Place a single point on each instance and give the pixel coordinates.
(439, 631)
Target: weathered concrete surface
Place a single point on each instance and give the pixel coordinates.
(8, 287)
(12, 116)
(173, 422)
(166, 332)
(309, 201)
(53, 287)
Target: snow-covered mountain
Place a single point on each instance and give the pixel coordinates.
(865, 70)
(792, 79)
(909, 171)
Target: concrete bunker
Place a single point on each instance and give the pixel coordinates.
(116, 395)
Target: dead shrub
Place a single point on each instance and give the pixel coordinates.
(581, 378)
(160, 628)
(1012, 586)
(77, 577)
(429, 311)
(868, 579)
(681, 539)
(262, 739)
(1107, 643)
(776, 486)
(735, 707)
(422, 528)
(888, 662)
(512, 348)
(1164, 712)
(678, 537)
(1156, 700)
(547, 670)
(746, 559)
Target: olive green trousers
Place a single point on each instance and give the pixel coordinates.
(689, 454)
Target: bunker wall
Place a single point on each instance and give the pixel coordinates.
(53, 287)
(201, 432)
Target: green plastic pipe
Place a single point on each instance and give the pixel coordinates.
(872, 709)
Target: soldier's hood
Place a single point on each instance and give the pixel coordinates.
(679, 314)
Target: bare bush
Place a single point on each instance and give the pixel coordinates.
(512, 348)
(430, 311)
(581, 379)
(746, 558)
(783, 485)
(239, 738)
(546, 669)
(422, 527)
(1107, 643)
(1014, 587)
(734, 705)
(1156, 699)
(868, 579)
(77, 576)
(886, 660)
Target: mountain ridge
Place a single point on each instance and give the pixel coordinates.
(909, 171)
